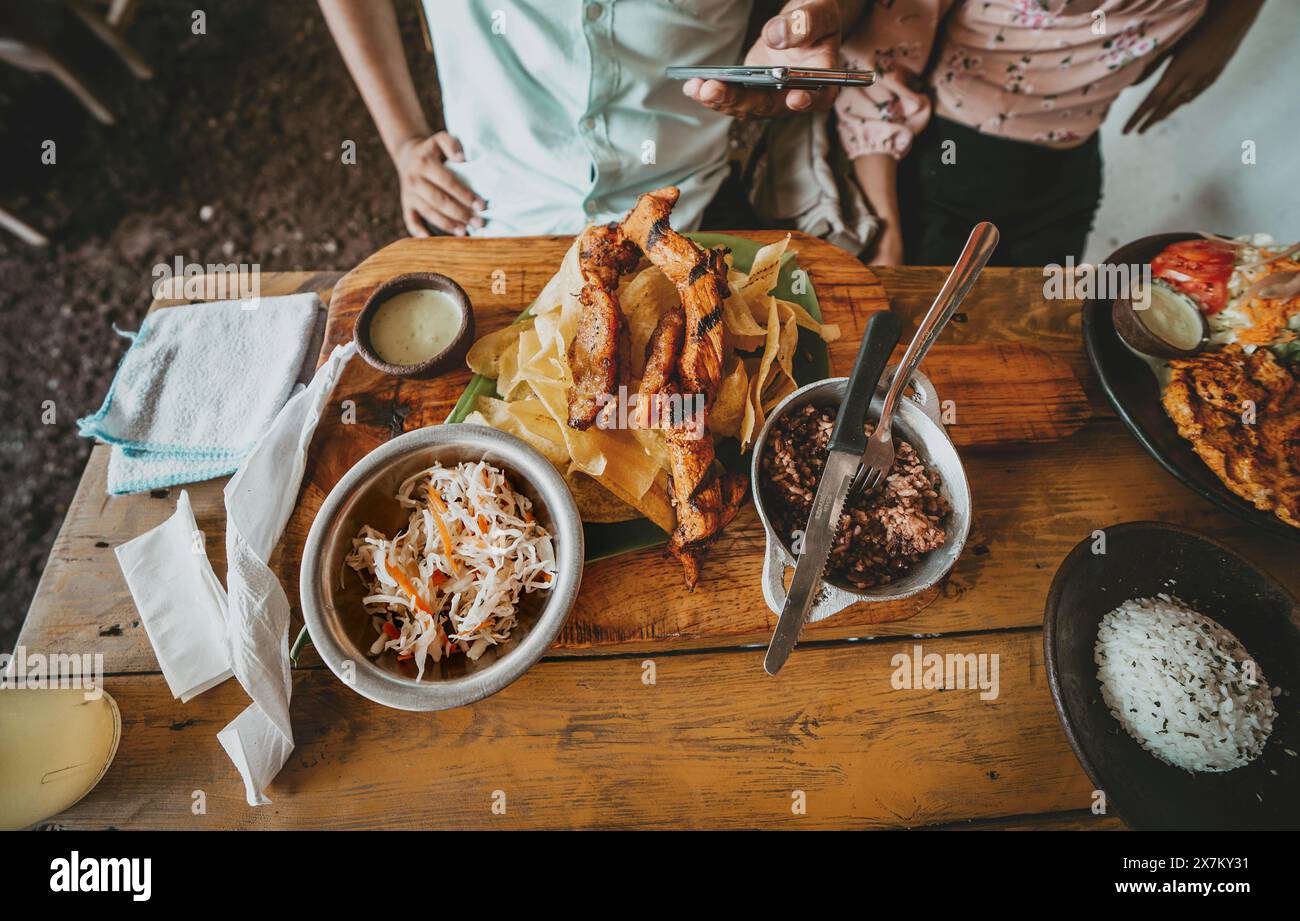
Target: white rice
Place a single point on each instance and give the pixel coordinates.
(1183, 686)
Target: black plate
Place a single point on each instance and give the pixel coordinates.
(1132, 390)
(1140, 560)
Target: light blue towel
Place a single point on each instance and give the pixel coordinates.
(197, 388)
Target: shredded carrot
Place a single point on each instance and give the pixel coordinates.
(436, 501)
(402, 657)
(391, 631)
(409, 587)
(1268, 321)
(1269, 317)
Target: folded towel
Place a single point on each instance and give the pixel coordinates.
(198, 387)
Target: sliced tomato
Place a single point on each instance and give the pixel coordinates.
(1200, 269)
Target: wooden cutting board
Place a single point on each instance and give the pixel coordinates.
(1001, 394)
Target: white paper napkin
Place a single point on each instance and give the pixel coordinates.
(181, 603)
(169, 576)
(259, 500)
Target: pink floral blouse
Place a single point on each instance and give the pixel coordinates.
(1043, 71)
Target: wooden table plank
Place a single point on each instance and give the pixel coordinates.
(713, 743)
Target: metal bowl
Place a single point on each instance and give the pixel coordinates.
(917, 422)
(331, 591)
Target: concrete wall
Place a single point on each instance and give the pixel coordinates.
(1186, 173)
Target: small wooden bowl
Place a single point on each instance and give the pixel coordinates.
(1139, 336)
(446, 360)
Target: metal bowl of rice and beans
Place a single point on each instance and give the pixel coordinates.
(894, 541)
(441, 567)
(1173, 664)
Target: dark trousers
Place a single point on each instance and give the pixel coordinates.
(1042, 199)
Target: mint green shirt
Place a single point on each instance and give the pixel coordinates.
(564, 112)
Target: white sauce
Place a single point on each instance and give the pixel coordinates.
(413, 326)
(1173, 318)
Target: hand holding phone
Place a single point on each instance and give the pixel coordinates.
(776, 77)
(789, 69)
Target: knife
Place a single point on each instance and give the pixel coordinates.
(845, 450)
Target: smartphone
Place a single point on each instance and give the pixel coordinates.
(776, 78)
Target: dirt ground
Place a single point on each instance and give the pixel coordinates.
(231, 153)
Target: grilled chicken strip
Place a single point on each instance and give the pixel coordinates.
(598, 354)
(705, 498)
(700, 276)
(661, 357)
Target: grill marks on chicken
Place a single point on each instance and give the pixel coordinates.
(705, 499)
(661, 354)
(700, 277)
(683, 357)
(598, 354)
(1260, 460)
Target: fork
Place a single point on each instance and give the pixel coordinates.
(879, 456)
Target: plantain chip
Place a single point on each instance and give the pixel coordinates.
(645, 298)
(782, 379)
(743, 332)
(828, 332)
(596, 503)
(765, 270)
(528, 420)
(759, 378)
(654, 503)
(484, 356)
(517, 419)
(727, 417)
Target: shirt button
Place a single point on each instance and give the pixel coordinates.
(588, 123)
(592, 207)
(593, 11)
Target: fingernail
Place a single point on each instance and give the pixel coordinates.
(476, 222)
(459, 231)
(778, 32)
(480, 204)
(459, 158)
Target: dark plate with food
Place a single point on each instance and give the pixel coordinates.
(1189, 412)
(1173, 663)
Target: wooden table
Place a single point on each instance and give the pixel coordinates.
(665, 735)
